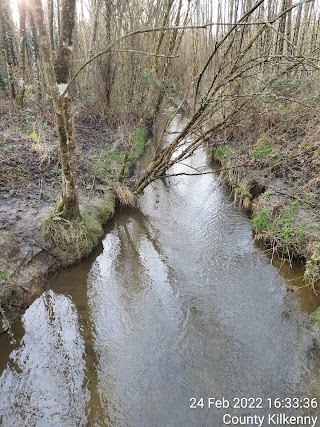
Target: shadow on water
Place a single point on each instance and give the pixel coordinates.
(177, 303)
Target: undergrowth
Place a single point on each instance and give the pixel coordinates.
(106, 163)
(6, 288)
(315, 319)
(270, 158)
(281, 227)
(138, 143)
(7, 292)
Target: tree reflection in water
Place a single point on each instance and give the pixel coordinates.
(44, 382)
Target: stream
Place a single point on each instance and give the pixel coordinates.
(176, 307)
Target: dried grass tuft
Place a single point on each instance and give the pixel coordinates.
(125, 196)
(67, 235)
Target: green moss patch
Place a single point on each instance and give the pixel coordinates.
(105, 208)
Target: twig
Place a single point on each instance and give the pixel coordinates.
(158, 55)
(131, 34)
(185, 173)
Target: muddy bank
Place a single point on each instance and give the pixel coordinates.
(30, 182)
(27, 258)
(271, 161)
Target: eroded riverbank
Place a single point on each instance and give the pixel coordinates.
(271, 161)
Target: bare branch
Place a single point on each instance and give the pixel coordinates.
(131, 34)
(144, 53)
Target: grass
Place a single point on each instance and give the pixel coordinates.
(7, 293)
(138, 143)
(315, 318)
(106, 163)
(274, 145)
(281, 226)
(241, 190)
(102, 211)
(6, 289)
(287, 232)
(93, 232)
(261, 150)
(66, 236)
(313, 264)
(222, 151)
(73, 240)
(262, 220)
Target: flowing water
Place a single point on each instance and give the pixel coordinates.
(178, 304)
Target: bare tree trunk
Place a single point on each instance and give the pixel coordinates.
(58, 20)
(58, 76)
(289, 27)
(96, 13)
(35, 55)
(165, 22)
(297, 26)
(51, 19)
(4, 21)
(106, 67)
(67, 132)
(315, 35)
(305, 25)
(172, 44)
(281, 29)
(231, 9)
(22, 52)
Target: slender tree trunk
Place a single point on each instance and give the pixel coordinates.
(166, 68)
(305, 25)
(289, 27)
(297, 26)
(50, 24)
(106, 67)
(5, 26)
(58, 20)
(22, 52)
(35, 55)
(58, 76)
(165, 23)
(281, 29)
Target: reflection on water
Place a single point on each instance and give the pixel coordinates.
(43, 384)
(179, 304)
